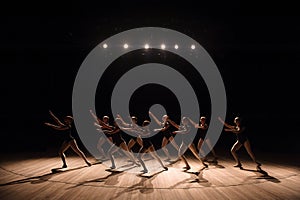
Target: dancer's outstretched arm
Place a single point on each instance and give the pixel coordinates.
(102, 125)
(94, 116)
(225, 124)
(194, 123)
(234, 130)
(173, 123)
(55, 118)
(57, 127)
(111, 132)
(155, 118)
(122, 121)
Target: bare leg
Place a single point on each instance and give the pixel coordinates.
(140, 141)
(172, 141)
(208, 142)
(63, 148)
(111, 150)
(139, 157)
(164, 148)
(100, 143)
(180, 154)
(194, 151)
(79, 152)
(249, 150)
(153, 153)
(199, 146)
(131, 143)
(234, 148)
(127, 153)
(174, 144)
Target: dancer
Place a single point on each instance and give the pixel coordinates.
(147, 146)
(182, 133)
(103, 138)
(133, 128)
(118, 141)
(69, 140)
(200, 138)
(167, 134)
(242, 140)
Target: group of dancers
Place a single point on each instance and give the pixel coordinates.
(113, 135)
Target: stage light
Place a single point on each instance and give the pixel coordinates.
(193, 46)
(163, 46)
(146, 46)
(125, 46)
(104, 46)
(176, 46)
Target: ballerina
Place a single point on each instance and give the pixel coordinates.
(183, 132)
(147, 146)
(118, 141)
(201, 137)
(133, 128)
(69, 140)
(102, 129)
(167, 134)
(242, 140)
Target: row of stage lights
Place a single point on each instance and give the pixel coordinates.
(146, 46)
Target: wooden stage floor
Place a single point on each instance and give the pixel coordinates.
(28, 176)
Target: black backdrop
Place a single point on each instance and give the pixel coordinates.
(256, 49)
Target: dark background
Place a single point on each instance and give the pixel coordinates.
(256, 47)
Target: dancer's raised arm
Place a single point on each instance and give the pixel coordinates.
(173, 123)
(225, 124)
(193, 123)
(155, 119)
(57, 127)
(94, 116)
(55, 118)
(122, 121)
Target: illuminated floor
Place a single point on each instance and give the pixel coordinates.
(30, 177)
